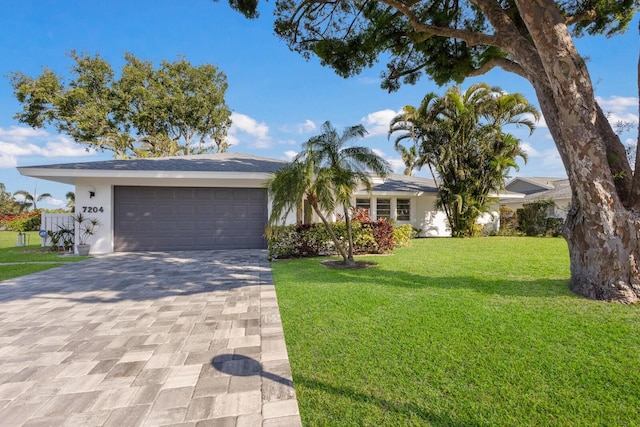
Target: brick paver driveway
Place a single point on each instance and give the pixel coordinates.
(146, 339)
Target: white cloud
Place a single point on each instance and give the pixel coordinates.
(21, 133)
(8, 161)
(243, 124)
(300, 128)
(377, 123)
(617, 103)
(290, 154)
(546, 160)
(65, 147)
(307, 126)
(528, 148)
(18, 142)
(396, 163)
(620, 109)
(56, 202)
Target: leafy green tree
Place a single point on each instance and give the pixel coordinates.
(452, 40)
(32, 199)
(175, 109)
(460, 136)
(8, 203)
(350, 167)
(326, 173)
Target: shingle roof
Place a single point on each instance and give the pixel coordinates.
(561, 190)
(405, 183)
(219, 162)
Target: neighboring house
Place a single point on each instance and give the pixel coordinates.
(535, 189)
(215, 201)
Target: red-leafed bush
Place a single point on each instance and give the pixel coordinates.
(26, 221)
(291, 241)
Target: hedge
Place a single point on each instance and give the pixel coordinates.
(27, 221)
(297, 241)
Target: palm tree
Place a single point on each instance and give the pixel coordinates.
(460, 137)
(348, 167)
(296, 182)
(326, 173)
(31, 199)
(71, 200)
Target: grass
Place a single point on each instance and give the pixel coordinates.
(458, 332)
(14, 261)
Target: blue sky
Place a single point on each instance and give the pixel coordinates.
(278, 99)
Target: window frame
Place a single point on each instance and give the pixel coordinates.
(403, 213)
(387, 209)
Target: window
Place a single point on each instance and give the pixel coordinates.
(403, 209)
(364, 204)
(383, 207)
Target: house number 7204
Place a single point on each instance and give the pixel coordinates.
(92, 209)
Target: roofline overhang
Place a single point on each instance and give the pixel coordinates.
(69, 176)
(529, 181)
(394, 193)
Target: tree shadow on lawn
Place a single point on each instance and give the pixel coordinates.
(405, 409)
(143, 276)
(381, 276)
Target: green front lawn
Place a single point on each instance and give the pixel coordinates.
(16, 261)
(458, 332)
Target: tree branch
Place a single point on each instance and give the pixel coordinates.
(588, 16)
(472, 38)
(505, 64)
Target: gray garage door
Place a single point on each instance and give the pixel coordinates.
(186, 218)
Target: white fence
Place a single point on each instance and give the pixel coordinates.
(54, 222)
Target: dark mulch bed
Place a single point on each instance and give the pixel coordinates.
(339, 265)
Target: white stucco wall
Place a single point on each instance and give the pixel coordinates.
(99, 207)
(432, 222)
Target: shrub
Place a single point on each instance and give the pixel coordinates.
(554, 227)
(313, 239)
(532, 217)
(402, 235)
(62, 238)
(27, 221)
(508, 222)
(295, 241)
(383, 233)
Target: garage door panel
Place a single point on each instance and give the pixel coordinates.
(181, 218)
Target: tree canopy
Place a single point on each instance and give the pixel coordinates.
(460, 137)
(32, 199)
(174, 109)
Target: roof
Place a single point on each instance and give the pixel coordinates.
(219, 162)
(527, 185)
(560, 190)
(238, 165)
(405, 184)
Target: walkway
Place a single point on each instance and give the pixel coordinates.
(146, 339)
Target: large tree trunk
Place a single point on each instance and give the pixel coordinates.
(602, 233)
